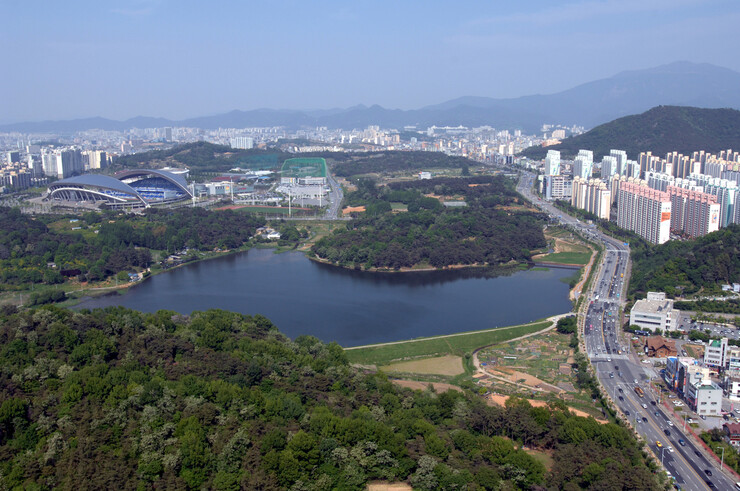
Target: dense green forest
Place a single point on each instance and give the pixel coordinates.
(202, 157)
(483, 232)
(660, 130)
(122, 241)
(118, 399)
(729, 306)
(686, 267)
(345, 165)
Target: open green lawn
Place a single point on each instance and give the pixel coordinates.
(457, 344)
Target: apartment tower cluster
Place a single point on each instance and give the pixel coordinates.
(679, 195)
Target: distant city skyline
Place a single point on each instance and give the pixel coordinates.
(176, 60)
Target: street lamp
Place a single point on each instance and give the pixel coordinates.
(722, 463)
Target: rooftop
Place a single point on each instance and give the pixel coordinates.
(653, 306)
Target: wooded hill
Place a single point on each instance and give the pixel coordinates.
(118, 399)
(481, 233)
(677, 267)
(28, 244)
(203, 157)
(660, 130)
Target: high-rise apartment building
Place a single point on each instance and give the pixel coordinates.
(693, 213)
(591, 195)
(552, 163)
(644, 211)
(95, 159)
(583, 164)
(242, 142)
(608, 167)
(621, 157)
(727, 193)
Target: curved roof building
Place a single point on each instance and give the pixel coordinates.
(134, 188)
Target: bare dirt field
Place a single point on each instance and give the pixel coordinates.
(500, 400)
(440, 365)
(386, 486)
(438, 386)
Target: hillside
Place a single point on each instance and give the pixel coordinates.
(118, 399)
(203, 157)
(490, 230)
(687, 267)
(660, 130)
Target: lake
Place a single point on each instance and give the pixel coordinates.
(350, 307)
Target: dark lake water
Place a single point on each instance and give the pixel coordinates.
(350, 307)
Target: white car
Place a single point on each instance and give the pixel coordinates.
(670, 423)
(670, 449)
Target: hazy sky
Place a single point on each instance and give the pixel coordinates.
(182, 58)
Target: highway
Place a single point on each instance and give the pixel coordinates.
(621, 373)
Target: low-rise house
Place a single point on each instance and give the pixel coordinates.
(732, 433)
(660, 347)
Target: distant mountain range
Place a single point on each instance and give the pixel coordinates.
(660, 130)
(589, 104)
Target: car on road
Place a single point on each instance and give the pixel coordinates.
(667, 433)
(708, 472)
(627, 413)
(621, 398)
(698, 453)
(658, 444)
(644, 419)
(710, 484)
(653, 403)
(670, 423)
(644, 406)
(620, 389)
(656, 413)
(682, 442)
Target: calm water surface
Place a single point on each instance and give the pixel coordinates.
(350, 307)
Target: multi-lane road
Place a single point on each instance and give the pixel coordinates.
(620, 372)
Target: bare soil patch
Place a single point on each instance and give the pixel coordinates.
(388, 486)
(500, 400)
(440, 365)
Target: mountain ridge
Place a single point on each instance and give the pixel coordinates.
(588, 104)
(660, 130)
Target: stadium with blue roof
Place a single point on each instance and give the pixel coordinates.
(129, 189)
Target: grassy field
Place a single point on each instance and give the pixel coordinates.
(457, 344)
(566, 257)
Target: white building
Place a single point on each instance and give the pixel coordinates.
(583, 164)
(591, 195)
(715, 354)
(552, 163)
(558, 187)
(655, 312)
(704, 397)
(242, 142)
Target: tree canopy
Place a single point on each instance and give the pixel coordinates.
(121, 399)
(487, 231)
